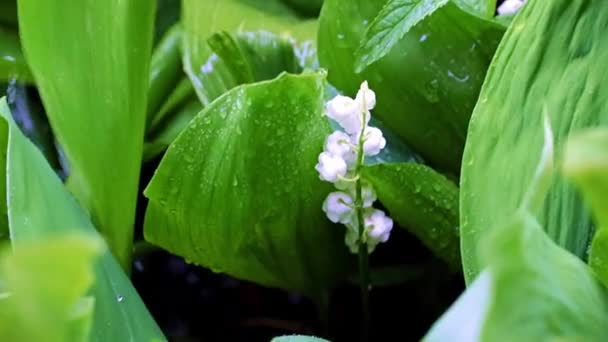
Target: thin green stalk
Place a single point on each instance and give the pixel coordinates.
(363, 254)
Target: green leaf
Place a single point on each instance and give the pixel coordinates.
(95, 96)
(428, 83)
(40, 206)
(423, 201)
(171, 128)
(530, 289)
(395, 19)
(237, 191)
(308, 8)
(12, 63)
(262, 27)
(165, 71)
(297, 338)
(182, 93)
(46, 281)
(482, 8)
(526, 82)
(586, 163)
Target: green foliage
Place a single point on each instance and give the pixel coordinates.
(530, 289)
(428, 83)
(231, 42)
(46, 282)
(95, 100)
(586, 163)
(165, 72)
(395, 19)
(40, 207)
(423, 201)
(237, 190)
(531, 77)
(12, 63)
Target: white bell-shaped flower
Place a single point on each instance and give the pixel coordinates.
(342, 109)
(331, 167)
(510, 7)
(347, 113)
(366, 94)
(338, 207)
(338, 144)
(373, 141)
(378, 225)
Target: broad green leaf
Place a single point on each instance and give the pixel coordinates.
(395, 19)
(46, 281)
(94, 92)
(428, 83)
(586, 163)
(237, 191)
(482, 8)
(262, 26)
(529, 289)
(12, 63)
(165, 71)
(526, 82)
(40, 206)
(297, 338)
(423, 201)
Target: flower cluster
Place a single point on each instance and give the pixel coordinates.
(340, 164)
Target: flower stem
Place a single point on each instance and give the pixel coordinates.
(363, 253)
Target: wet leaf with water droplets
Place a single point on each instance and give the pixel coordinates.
(409, 192)
(257, 213)
(417, 98)
(527, 81)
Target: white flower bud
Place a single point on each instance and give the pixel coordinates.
(347, 113)
(330, 167)
(368, 195)
(510, 7)
(368, 94)
(341, 108)
(373, 141)
(378, 225)
(338, 144)
(351, 239)
(338, 207)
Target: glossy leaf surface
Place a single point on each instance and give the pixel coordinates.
(266, 226)
(40, 206)
(91, 63)
(395, 19)
(586, 163)
(254, 26)
(423, 201)
(530, 289)
(427, 85)
(527, 80)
